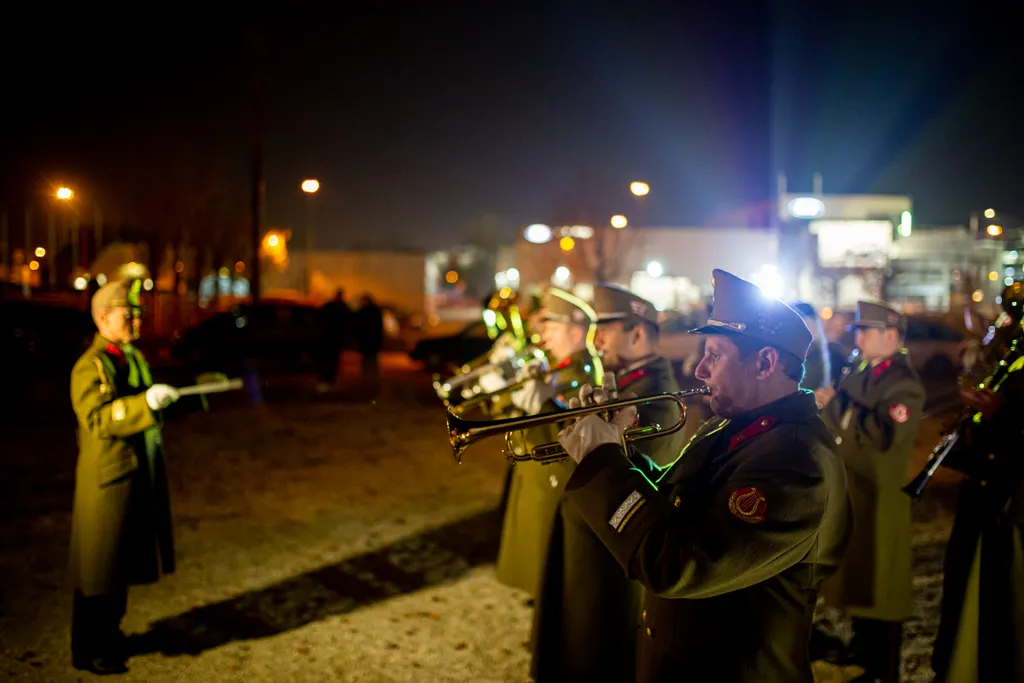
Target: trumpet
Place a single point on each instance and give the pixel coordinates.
(464, 433)
(484, 397)
(444, 389)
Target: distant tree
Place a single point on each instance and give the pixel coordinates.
(484, 240)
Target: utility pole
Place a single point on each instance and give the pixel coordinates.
(258, 185)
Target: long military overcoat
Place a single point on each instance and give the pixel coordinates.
(121, 520)
(585, 609)
(731, 542)
(655, 377)
(982, 615)
(873, 418)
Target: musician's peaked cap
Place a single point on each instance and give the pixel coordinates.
(559, 305)
(878, 316)
(741, 308)
(117, 294)
(612, 302)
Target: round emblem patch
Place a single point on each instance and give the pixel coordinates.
(899, 413)
(748, 504)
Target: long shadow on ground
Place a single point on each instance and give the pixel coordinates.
(430, 559)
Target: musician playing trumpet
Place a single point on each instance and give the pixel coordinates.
(982, 612)
(584, 606)
(873, 415)
(627, 336)
(732, 542)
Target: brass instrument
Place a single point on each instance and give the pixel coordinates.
(483, 397)
(1015, 351)
(473, 395)
(464, 433)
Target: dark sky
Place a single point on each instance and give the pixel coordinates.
(420, 118)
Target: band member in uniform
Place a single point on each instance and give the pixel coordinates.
(121, 519)
(585, 609)
(874, 415)
(981, 627)
(733, 541)
(627, 337)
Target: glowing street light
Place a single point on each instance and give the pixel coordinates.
(451, 277)
(566, 243)
(655, 269)
(994, 230)
(65, 193)
(639, 189)
(619, 221)
(990, 213)
(40, 252)
(310, 186)
(273, 240)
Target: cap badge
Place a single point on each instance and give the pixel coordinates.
(639, 307)
(578, 315)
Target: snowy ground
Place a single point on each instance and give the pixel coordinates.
(319, 539)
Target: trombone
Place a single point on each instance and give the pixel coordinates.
(464, 433)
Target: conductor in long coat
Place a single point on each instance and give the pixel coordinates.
(121, 518)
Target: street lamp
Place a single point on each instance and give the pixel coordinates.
(639, 189)
(310, 186)
(65, 193)
(619, 221)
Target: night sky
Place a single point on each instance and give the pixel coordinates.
(419, 121)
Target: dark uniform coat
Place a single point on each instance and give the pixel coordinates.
(655, 376)
(585, 608)
(874, 417)
(982, 615)
(731, 543)
(121, 519)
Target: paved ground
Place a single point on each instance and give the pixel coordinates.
(319, 539)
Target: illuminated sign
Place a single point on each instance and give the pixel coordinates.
(805, 207)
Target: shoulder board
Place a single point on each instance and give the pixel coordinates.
(759, 426)
(634, 376)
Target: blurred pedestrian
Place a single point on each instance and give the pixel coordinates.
(121, 516)
(336, 333)
(369, 325)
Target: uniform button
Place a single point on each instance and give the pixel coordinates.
(739, 438)
(839, 440)
(991, 456)
(678, 501)
(765, 423)
(643, 616)
(650, 634)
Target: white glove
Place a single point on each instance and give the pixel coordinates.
(532, 368)
(532, 397)
(587, 433)
(159, 396)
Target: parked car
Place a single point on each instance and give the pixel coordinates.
(40, 344)
(936, 346)
(270, 336)
(438, 354)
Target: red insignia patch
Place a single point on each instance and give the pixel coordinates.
(881, 367)
(748, 504)
(899, 413)
(115, 351)
(637, 374)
